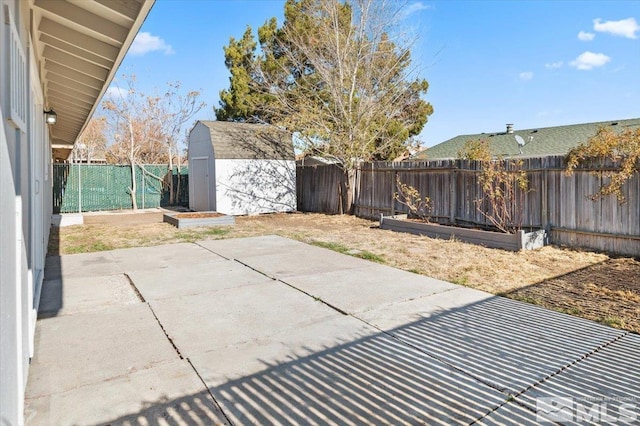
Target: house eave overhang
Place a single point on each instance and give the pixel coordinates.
(78, 46)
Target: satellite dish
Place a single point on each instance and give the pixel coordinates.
(521, 143)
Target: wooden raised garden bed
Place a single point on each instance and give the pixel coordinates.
(189, 219)
(519, 241)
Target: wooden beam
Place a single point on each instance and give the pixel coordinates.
(68, 98)
(71, 92)
(69, 73)
(55, 55)
(73, 50)
(61, 104)
(78, 39)
(84, 18)
(71, 84)
(126, 8)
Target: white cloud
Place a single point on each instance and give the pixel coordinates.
(589, 60)
(585, 36)
(415, 7)
(526, 76)
(145, 43)
(553, 65)
(622, 28)
(116, 92)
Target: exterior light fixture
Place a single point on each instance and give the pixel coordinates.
(50, 116)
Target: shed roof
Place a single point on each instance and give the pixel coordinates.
(544, 141)
(232, 140)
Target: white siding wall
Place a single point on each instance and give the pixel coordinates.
(255, 186)
(25, 216)
(200, 148)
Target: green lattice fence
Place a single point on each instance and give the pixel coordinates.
(95, 187)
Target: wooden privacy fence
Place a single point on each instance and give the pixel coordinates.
(319, 188)
(95, 187)
(556, 201)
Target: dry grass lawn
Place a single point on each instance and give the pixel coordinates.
(587, 284)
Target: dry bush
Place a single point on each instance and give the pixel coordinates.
(616, 154)
(504, 186)
(409, 196)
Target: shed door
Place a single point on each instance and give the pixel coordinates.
(200, 174)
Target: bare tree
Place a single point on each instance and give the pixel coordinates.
(339, 76)
(172, 112)
(146, 129)
(91, 142)
(126, 111)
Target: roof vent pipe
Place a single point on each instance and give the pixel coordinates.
(509, 128)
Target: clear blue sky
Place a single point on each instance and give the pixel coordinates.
(488, 63)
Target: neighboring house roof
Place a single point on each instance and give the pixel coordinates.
(543, 141)
(249, 141)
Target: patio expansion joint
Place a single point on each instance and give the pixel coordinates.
(211, 251)
(135, 289)
(209, 392)
(397, 339)
(316, 298)
(142, 299)
(175, 347)
(513, 398)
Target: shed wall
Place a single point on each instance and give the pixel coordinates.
(255, 186)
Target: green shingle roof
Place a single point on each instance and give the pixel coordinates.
(557, 140)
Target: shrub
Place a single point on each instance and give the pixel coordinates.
(616, 154)
(410, 197)
(504, 186)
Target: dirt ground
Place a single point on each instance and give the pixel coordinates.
(586, 284)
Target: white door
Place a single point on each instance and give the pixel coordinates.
(200, 175)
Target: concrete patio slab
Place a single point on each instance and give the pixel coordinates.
(507, 344)
(610, 375)
(372, 380)
(367, 287)
(164, 256)
(202, 323)
(393, 315)
(85, 348)
(602, 388)
(511, 414)
(410, 350)
(166, 393)
(253, 246)
(175, 281)
(80, 265)
(313, 260)
(85, 294)
(280, 257)
(238, 360)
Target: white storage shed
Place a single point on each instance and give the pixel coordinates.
(240, 168)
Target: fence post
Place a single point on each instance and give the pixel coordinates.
(394, 179)
(143, 188)
(79, 189)
(452, 194)
(544, 214)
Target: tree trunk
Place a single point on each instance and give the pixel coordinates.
(172, 197)
(132, 162)
(346, 191)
